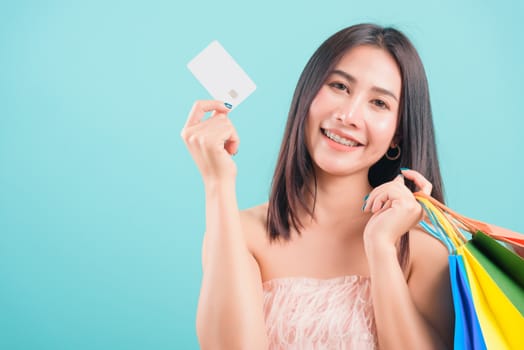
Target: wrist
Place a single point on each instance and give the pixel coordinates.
(380, 250)
(219, 187)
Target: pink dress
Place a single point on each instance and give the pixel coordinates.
(307, 313)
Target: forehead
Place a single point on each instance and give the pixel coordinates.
(373, 66)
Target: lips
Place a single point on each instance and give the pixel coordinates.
(343, 140)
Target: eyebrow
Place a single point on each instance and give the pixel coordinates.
(352, 79)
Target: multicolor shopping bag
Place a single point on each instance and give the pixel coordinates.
(487, 279)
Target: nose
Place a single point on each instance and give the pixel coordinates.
(351, 112)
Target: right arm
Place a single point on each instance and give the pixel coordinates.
(230, 307)
(230, 314)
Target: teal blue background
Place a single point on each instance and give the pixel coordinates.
(101, 206)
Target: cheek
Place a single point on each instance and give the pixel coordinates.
(322, 102)
(310, 128)
(317, 111)
(384, 129)
(314, 108)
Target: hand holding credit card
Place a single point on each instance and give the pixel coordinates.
(221, 75)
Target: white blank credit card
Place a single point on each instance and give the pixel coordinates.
(222, 77)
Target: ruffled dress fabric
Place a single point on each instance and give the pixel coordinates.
(310, 314)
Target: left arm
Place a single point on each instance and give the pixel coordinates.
(412, 314)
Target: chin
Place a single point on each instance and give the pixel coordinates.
(336, 168)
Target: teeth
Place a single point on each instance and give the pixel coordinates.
(339, 139)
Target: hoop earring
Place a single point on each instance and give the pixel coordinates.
(394, 157)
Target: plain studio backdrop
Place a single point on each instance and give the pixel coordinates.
(101, 205)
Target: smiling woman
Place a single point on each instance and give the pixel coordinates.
(335, 259)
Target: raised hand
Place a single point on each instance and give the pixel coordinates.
(395, 209)
(211, 142)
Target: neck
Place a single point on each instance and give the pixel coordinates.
(339, 201)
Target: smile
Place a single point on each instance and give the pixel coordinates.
(339, 139)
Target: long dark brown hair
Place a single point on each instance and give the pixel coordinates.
(294, 180)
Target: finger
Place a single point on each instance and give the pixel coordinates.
(420, 181)
(371, 199)
(233, 141)
(232, 145)
(200, 108)
(218, 114)
(377, 192)
(387, 205)
(211, 134)
(400, 179)
(225, 133)
(379, 202)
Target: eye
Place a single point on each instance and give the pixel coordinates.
(380, 104)
(339, 86)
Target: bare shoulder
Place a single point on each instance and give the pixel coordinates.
(254, 214)
(254, 225)
(254, 218)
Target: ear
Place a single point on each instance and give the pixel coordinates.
(396, 140)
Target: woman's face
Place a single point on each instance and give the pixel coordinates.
(354, 116)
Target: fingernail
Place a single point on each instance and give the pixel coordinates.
(228, 105)
(365, 201)
(404, 169)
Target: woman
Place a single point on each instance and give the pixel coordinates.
(335, 259)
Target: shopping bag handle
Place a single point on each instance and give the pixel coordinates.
(472, 225)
